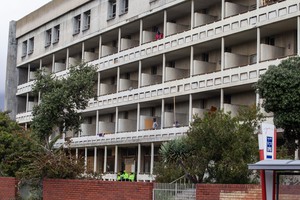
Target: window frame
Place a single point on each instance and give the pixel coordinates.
(86, 21)
(48, 37)
(24, 48)
(76, 24)
(112, 9)
(30, 45)
(56, 34)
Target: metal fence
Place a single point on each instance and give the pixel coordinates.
(174, 191)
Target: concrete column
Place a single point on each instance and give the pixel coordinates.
(139, 160)
(82, 51)
(95, 159)
(53, 63)
(222, 54)
(298, 36)
(98, 84)
(119, 39)
(258, 50)
(162, 113)
(141, 31)
(192, 61)
(12, 73)
(192, 13)
(28, 72)
(27, 102)
(118, 79)
(152, 159)
(100, 47)
(138, 117)
(165, 23)
(85, 159)
(164, 68)
(117, 121)
(190, 108)
(257, 4)
(116, 159)
(105, 160)
(76, 153)
(140, 74)
(97, 122)
(223, 10)
(222, 98)
(67, 58)
(257, 100)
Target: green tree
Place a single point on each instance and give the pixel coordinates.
(217, 147)
(280, 89)
(14, 144)
(61, 99)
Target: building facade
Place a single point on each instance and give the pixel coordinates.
(159, 63)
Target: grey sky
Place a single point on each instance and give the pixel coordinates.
(12, 10)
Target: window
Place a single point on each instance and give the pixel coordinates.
(48, 37)
(76, 24)
(56, 34)
(24, 48)
(112, 7)
(123, 7)
(171, 64)
(86, 20)
(30, 45)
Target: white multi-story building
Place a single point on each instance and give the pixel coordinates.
(158, 60)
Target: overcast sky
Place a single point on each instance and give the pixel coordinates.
(12, 10)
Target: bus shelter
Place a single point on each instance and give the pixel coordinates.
(281, 179)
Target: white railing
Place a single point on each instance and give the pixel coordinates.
(125, 138)
(205, 82)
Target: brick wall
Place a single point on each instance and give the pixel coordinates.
(228, 192)
(59, 189)
(8, 189)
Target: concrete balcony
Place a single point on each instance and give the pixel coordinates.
(135, 137)
(241, 22)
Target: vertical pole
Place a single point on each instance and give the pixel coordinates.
(138, 117)
(117, 120)
(82, 52)
(98, 84)
(190, 108)
(97, 122)
(139, 161)
(100, 47)
(164, 68)
(152, 160)
(165, 23)
(223, 10)
(141, 31)
(95, 159)
(118, 79)
(116, 159)
(298, 36)
(222, 54)
(140, 74)
(119, 40)
(258, 50)
(192, 13)
(222, 98)
(192, 62)
(162, 113)
(105, 159)
(85, 159)
(67, 58)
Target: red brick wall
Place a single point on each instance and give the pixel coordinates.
(228, 192)
(8, 189)
(59, 189)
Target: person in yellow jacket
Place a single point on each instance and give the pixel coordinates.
(125, 176)
(131, 176)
